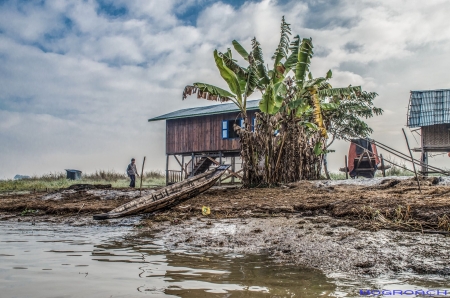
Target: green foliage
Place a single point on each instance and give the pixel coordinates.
(307, 106)
(344, 115)
(28, 212)
(213, 90)
(229, 76)
(305, 54)
(237, 46)
(283, 46)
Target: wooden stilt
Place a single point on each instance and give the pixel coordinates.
(233, 168)
(220, 162)
(167, 169)
(412, 160)
(182, 168)
(192, 164)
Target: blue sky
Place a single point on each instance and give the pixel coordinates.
(79, 79)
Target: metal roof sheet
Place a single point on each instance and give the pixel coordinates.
(429, 107)
(206, 110)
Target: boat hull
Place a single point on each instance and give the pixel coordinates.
(169, 196)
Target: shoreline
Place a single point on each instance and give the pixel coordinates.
(354, 230)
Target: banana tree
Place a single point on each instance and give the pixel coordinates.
(302, 110)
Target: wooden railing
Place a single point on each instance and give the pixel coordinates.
(174, 176)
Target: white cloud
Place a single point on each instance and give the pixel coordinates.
(78, 94)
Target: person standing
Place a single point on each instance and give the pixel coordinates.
(132, 172)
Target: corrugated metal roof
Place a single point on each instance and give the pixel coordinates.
(207, 110)
(429, 107)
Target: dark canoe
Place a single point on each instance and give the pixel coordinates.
(168, 196)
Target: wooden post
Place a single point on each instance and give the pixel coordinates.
(167, 169)
(424, 159)
(412, 160)
(346, 168)
(192, 165)
(182, 167)
(142, 174)
(383, 170)
(424, 155)
(233, 167)
(220, 163)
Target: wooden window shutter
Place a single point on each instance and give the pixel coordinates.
(224, 129)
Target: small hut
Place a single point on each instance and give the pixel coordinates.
(429, 113)
(203, 136)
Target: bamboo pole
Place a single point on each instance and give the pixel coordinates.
(398, 154)
(142, 174)
(412, 160)
(382, 165)
(346, 168)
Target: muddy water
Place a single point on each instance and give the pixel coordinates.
(59, 261)
(46, 260)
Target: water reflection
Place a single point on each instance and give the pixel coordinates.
(61, 261)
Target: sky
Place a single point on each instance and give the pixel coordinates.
(80, 79)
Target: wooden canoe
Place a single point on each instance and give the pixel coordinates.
(168, 196)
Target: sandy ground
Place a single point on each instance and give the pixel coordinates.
(373, 227)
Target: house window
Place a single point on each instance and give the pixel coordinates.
(228, 131)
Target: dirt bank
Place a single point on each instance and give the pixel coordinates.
(361, 228)
(392, 203)
(329, 244)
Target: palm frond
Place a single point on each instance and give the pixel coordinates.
(229, 76)
(208, 92)
(341, 92)
(291, 61)
(305, 54)
(257, 51)
(240, 49)
(283, 46)
(231, 64)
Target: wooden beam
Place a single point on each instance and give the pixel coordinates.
(232, 173)
(180, 163)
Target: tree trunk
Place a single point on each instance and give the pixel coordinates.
(325, 167)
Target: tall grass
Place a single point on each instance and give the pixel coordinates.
(393, 171)
(58, 180)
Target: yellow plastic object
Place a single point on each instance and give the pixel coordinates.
(206, 210)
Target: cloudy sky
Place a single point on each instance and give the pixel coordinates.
(79, 79)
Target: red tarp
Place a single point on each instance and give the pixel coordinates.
(352, 155)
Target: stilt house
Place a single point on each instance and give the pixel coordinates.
(203, 137)
(429, 113)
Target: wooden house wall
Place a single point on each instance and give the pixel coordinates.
(200, 134)
(436, 135)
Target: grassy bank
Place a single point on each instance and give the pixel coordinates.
(58, 180)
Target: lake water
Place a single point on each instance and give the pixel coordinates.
(45, 260)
